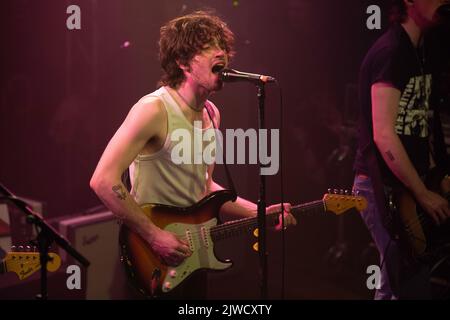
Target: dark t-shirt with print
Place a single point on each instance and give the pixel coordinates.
(393, 59)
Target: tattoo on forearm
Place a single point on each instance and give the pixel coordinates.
(119, 191)
(390, 155)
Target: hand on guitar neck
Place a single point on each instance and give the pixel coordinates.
(289, 219)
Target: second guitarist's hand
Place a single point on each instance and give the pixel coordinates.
(169, 247)
(435, 205)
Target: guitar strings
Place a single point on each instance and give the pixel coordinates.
(250, 221)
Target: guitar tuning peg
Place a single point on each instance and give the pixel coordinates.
(347, 192)
(28, 249)
(20, 248)
(329, 190)
(34, 249)
(13, 248)
(341, 192)
(335, 191)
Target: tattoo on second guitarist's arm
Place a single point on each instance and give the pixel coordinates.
(120, 192)
(390, 155)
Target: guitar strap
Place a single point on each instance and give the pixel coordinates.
(219, 146)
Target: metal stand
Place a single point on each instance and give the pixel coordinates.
(262, 200)
(46, 236)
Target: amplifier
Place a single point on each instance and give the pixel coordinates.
(95, 236)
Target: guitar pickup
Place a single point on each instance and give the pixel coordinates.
(189, 239)
(205, 236)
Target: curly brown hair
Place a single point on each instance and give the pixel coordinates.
(184, 37)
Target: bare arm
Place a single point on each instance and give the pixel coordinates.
(144, 122)
(385, 100)
(241, 208)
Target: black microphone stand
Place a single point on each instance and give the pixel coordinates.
(262, 198)
(46, 236)
(231, 75)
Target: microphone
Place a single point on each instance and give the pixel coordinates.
(231, 75)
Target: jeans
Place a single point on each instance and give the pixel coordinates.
(395, 283)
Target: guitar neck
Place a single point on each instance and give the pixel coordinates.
(247, 225)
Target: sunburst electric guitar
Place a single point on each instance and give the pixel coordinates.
(198, 225)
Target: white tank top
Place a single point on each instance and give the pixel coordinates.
(155, 178)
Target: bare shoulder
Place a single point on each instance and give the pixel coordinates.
(147, 117)
(148, 107)
(148, 110)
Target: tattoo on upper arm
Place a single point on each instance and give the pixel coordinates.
(390, 155)
(120, 192)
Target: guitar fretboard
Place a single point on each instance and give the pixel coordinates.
(247, 225)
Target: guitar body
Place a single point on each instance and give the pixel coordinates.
(418, 233)
(149, 274)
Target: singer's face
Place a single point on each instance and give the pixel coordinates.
(201, 68)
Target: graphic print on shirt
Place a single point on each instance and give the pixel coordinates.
(412, 119)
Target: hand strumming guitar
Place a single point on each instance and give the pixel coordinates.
(435, 205)
(169, 247)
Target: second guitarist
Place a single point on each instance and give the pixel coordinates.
(394, 142)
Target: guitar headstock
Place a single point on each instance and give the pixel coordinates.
(24, 264)
(340, 201)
